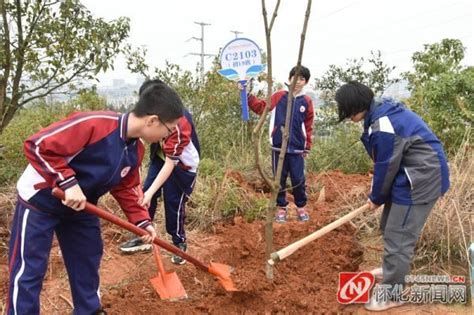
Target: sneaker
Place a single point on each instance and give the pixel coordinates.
(281, 215)
(378, 306)
(303, 216)
(134, 245)
(378, 273)
(177, 260)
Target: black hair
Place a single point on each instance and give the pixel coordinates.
(147, 83)
(304, 72)
(157, 98)
(353, 98)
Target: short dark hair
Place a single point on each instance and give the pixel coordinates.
(147, 83)
(304, 72)
(353, 98)
(157, 98)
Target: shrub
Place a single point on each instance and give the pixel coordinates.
(341, 149)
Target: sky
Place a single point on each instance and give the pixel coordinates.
(337, 30)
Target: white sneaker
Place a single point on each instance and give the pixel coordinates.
(378, 306)
(378, 273)
(134, 245)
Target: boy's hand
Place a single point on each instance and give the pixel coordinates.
(145, 201)
(372, 205)
(152, 234)
(248, 86)
(74, 198)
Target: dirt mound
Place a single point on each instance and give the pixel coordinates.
(306, 281)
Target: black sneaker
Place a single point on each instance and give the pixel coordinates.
(175, 259)
(134, 245)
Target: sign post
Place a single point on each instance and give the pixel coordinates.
(241, 60)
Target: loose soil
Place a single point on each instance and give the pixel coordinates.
(305, 282)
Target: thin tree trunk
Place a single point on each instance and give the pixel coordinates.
(6, 65)
(258, 129)
(257, 132)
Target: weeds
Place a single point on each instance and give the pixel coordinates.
(447, 235)
(448, 232)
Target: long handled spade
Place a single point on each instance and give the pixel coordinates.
(167, 284)
(220, 271)
(290, 249)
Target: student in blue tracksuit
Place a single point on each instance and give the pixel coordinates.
(172, 173)
(410, 174)
(299, 142)
(87, 155)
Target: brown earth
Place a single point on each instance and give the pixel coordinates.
(305, 282)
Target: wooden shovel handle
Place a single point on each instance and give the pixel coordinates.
(290, 249)
(90, 208)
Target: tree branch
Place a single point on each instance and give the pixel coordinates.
(274, 16)
(258, 139)
(53, 75)
(51, 3)
(33, 25)
(289, 106)
(257, 131)
(20, 57)
(6, 64)
(68, 80)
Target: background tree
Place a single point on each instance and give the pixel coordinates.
(215, 106)
(443, 90)
(338, 145)
(46, 45)
(373, 72)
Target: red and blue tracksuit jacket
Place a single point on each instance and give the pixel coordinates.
(301, 121)
(299, 142)
(182, 146)
(90, 149)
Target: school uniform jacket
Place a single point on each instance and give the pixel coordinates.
(410, 165)
(90, 149)
(182, 146)
(301, 121)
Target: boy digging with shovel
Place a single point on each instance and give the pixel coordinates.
(87, 155)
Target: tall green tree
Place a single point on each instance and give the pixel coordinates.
(46, 45)
(443, 90)
(372, 72)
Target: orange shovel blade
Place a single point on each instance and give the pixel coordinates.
(222, 273)
(168, 286)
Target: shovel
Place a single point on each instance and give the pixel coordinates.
(166, 284)
(290, 249)
(220, 271)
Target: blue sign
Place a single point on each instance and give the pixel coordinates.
(241, 60)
